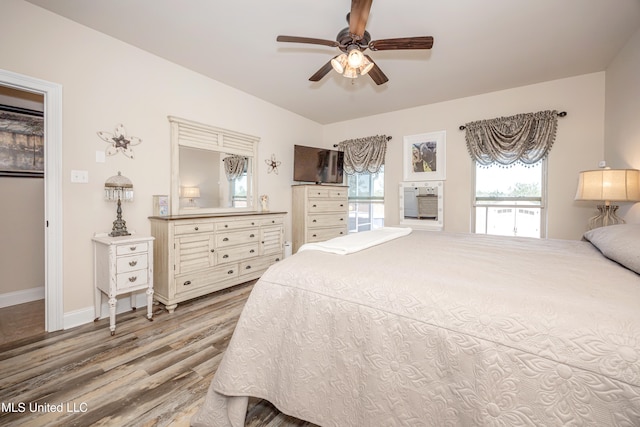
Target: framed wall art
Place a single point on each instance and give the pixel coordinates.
(424, 157)
(21, 142)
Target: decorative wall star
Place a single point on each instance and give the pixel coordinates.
(119, 142)
(272, 164)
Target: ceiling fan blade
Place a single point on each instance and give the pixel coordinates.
(307, 40)
(376, 73)
(402, 43)
(321, 72)
(358, 17)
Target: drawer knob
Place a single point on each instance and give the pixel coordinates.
(226, 225)
(315, 235)
(133, 263)
(133, 278)
(253, 223)
(213, 250)
(251, 251)
(248, 267)
(226, 239)
(341, 205)
(132, 248)
(315, 220)
(277, 259)
(225, 256)
(315, 206)
(230, 272)
(252, 235)
(341, 219)
(187, 283)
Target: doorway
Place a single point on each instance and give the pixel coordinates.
(52, 226)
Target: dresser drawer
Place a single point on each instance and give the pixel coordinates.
(322, 234)
(211, 278)
(134, 248)
(130, 263)
(327, 220)
(132, 279)
(237, 238)
(191, 228)
(316, 206)
(234, 225)
(272, 221)
(257, 264)
(338, 193)
(236, 253)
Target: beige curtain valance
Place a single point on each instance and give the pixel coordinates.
(525, 138)
(364, 155)
(234, 166)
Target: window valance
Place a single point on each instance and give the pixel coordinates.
(234, 166)
(364, 155)
(525, 138)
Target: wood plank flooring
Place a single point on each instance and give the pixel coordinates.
(148, 374)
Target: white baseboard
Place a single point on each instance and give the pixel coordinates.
(87, 315)
(20, 297)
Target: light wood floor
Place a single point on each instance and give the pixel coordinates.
(149, 374)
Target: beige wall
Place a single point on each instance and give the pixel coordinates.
(622, 115)
(578, 146)
(106, 82)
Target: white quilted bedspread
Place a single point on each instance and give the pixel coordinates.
(439, 329)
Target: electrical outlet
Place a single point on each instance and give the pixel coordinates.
(81, 177)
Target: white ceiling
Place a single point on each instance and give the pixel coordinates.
(480, 45)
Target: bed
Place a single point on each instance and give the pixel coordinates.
(443, 329)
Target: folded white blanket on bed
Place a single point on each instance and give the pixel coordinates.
(355, 242)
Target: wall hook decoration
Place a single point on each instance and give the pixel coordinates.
(119, 142)
(273, 164)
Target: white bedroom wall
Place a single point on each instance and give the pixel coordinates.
(106, 82)
(578, 146)
(622, 124)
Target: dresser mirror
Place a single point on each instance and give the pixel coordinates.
(422, 204)
(213, 170)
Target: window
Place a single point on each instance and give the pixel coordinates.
(239, 191)
(510, 201)
(366, 201)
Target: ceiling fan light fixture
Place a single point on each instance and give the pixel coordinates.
(355, 57)
(350, 72)
(366, 66)
(339, 63)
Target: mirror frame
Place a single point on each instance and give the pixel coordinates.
(187, 133)
(429, 224)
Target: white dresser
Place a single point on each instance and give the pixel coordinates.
(320, 212)
(200, 254)
(122, 265)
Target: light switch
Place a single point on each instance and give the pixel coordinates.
(100, 157)
(80, 176)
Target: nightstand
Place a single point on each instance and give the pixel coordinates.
(122, 265)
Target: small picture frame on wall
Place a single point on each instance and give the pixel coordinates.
(424, 156)
(160, 205)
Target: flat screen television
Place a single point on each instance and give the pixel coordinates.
(319, 165)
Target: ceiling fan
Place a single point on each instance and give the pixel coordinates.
(353, 41)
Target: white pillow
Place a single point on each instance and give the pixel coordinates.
(620, 243)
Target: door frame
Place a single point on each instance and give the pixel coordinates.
(52, 92)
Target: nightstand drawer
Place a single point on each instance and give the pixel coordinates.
(132, 279)
(130, 263)
(133, 248)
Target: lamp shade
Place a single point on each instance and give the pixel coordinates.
(611, 185)
(191, 192)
